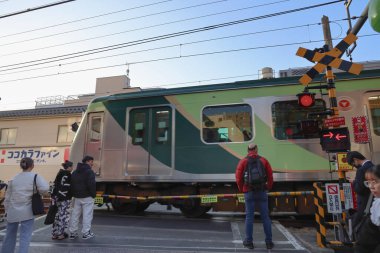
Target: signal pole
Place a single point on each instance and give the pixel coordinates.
(329, 74)
(334, 113)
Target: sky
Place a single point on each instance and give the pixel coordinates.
(61, 50)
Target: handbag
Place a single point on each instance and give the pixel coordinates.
(364, 218)
(50, 217)
(37, 204)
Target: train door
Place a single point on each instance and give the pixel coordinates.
(373, 100)
(94, 138)
(150, 141)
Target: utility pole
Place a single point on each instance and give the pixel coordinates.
(334, 112)
(329, 74)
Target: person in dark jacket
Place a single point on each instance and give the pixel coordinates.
(369, 232)
(254, 197)
(359, 161)
(61, 196)
(83, 189)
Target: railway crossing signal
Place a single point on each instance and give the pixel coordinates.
(329, 59)
(335, 140)
(306, 99)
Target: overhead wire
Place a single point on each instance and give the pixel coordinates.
(83, 19)
(156, 38)
(164, 47)
(171, 58)
(130, 30)
(113, 22)
(35, 8)
(181, 44)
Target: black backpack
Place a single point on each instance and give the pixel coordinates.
(255, 175)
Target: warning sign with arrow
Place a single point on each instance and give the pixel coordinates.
(335, 140)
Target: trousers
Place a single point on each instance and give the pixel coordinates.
(259, 198)
(9, 243)
(84, 206)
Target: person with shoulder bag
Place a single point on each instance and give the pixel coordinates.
(368, 236)
(61, 196)
(254, 177)
(18, 206)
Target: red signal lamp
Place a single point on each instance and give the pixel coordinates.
(306, 99)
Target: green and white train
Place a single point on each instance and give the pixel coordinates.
(186, 141)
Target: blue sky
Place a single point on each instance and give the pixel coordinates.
(225, 54)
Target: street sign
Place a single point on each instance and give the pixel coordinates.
(341, 159)
(335, 140)
(360, 127)
(333, 198)
(334, 122)
(348, 199)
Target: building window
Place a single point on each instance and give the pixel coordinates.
(291, 121)
(8, 135)
(65, 134)
(227, 123)
(374, 107)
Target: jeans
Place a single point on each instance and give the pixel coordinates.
(260, 198)
(9, 243)
(85, 205)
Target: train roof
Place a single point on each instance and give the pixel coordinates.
(229, 86)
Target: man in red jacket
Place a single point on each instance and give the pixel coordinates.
(255, 196)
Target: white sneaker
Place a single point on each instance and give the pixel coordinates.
(88, 235)
(73, 235)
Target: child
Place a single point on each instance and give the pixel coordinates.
(369, 234)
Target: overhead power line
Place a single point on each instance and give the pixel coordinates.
(131, 30)
(162, 47)
(156, 38)
(83, 19)
(35, 8)
(173, 58)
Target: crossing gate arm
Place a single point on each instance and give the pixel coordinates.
(227, 195)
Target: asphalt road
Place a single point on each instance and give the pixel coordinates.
(158, 230)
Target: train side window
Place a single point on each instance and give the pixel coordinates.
(162, 126)
(291, 121)
(227, 123)
(374, 107)
(96, 129)
(138, 130)
(8, 135)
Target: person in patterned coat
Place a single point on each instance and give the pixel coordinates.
(62, 197)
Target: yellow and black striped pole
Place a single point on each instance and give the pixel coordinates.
(320, 215)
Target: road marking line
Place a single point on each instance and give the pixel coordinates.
(236, 235)
(40, 229)
(95, 245)
(289, 236)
